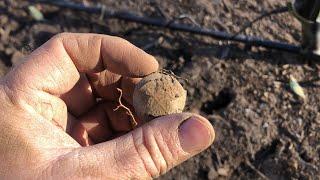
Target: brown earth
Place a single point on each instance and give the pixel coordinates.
(263, 130)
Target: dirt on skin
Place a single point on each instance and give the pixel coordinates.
(263, 130)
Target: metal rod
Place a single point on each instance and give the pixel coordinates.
(308, 9)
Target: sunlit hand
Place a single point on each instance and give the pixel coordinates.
(58, 120)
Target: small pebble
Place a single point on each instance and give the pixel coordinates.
(223, 171)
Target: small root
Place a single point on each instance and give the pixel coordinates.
(129, 113)
(170, 73)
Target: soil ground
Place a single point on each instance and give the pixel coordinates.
(263, 129)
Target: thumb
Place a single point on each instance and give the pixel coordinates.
(147, 152)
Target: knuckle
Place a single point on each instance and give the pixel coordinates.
(14, 93)
(60, 35)
(58, 38)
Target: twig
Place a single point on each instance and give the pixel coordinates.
(183, 16)
(218, 156)
(124, 15)
(180, 17)
(132, 119)
(103, 10)
(267, 14)
(248, 163)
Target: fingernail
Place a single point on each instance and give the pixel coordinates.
(195, 135)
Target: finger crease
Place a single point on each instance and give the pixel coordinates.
(138, 152)
(161, 152)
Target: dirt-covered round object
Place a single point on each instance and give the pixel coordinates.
(158, 94)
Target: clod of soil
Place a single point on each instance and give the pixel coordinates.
(158, 94)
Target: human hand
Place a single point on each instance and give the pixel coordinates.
(53, 127)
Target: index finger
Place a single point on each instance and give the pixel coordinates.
(55, 67)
